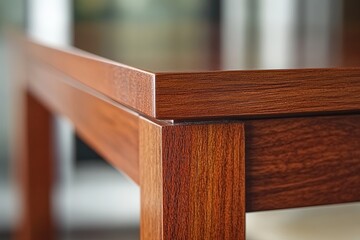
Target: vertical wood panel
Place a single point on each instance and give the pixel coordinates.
(202, 176)
(150, 180)
(36, 174)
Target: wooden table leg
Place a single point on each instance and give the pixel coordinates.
(192, 180)
(36, 173)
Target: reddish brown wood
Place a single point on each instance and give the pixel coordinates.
(211, 94)
(192, 175)
(36, 174)
(129, 86)
(192, 181)
(290, 162)
(302, 162)
(107, 127)
(151, 181)
(329, 143)
(114, 132)
(257, 93)
(351, 33)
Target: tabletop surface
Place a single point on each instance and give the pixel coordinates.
(160, 36)
(233, 59)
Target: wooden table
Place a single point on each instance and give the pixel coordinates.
(204, 146)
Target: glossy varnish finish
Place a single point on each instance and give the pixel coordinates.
(109, 129)
(127, 85)
(151, 181)
(302, 162)
(192, 181)
(276, 149)
(257, 93)
(192, 174)
(303, 151)
(210, 94)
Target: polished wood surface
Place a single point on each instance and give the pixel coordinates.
(192, 181)
(36, 173)
(222, 35)
(205, 146)
(114, 132)
(187, 62)
(151, 181)
(109, 128)
(211, 94)
(129, 86)
(313, 53)
(257, 93)
(191, 171)
(299, 162)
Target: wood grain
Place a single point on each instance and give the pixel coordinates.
(210, 94)
(151, 181)
(302, 162)
(109, 128)
(35, 170)
(127, 85)
(257, 93)
(192, 181)
(192, 175)
(284, 156)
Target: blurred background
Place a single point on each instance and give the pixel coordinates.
(94, 201)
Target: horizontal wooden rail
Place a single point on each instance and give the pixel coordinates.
(301, 162)
(111, 130)
(127, 85)
(210, 94)
(293, 92)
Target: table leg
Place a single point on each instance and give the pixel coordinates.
(36, 173)
(192, 181)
